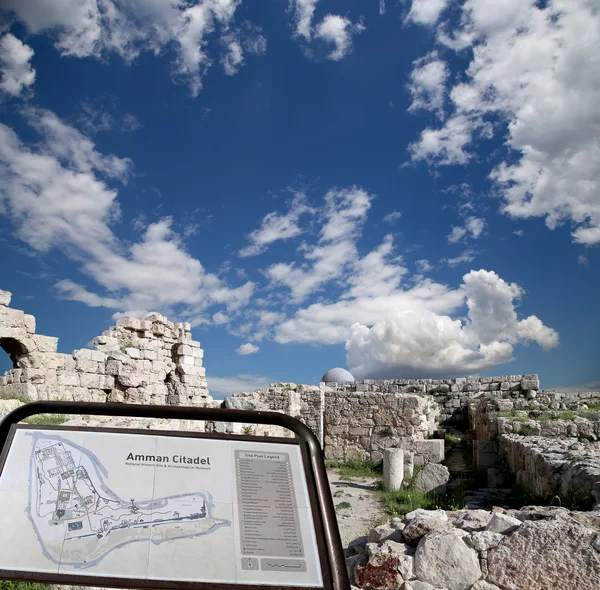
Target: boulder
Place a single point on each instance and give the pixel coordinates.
(471, 520)
(432, 478)
(380, 572)
(383, 532)
(502, 523)
(438, 514)
(443, 559)
(483, 585)
(546, 554)
(422, 525)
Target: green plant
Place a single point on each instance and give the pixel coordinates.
(357, 468)
(565, 415)
(343, 506)
(21, 585)
(527, 430)
(248, 430)
(46, 419)
(452, 439)
(406, 499)
(6, 394)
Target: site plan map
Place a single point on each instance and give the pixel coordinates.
(157, 507)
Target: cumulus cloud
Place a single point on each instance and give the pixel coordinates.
(426, 12)
(98, 28)
(419, 342)
(333, 29)
(473, 228)
(338, 30)
(15, 67)
(277, 226)
(534, 78)
(247, 348)
(56, 194)
(428, 84)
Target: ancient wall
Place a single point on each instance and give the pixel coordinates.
(452, 395)
(548, 466)
(150, 361)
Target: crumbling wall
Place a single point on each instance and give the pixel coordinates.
(149, 361)
(548, 466)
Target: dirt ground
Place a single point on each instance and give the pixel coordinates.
(364, 511)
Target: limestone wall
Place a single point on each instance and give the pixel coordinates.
(349, 424)
(150, 361)
(452, 395)
(549, 466)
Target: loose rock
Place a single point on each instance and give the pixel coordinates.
(432, 478)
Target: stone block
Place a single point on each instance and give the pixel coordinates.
(29, 323)
(45, 343)
(530, 384)
(83, 354)
(5, 297)
(85, 366)
(71, 379)
(134, 353)
(184, 349)
(431, 449)
(129, 323)
(197, 353)
(98, 356)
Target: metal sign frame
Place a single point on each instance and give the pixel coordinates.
(331, 555)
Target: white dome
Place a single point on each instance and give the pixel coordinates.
(337, 375)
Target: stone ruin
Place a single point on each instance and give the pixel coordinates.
(149, 361)
(549, 441)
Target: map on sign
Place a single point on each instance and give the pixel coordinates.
(157, 507)
(97, 520)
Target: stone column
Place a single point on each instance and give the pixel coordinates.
(393, 468)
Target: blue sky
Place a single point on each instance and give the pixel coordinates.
(405, 189)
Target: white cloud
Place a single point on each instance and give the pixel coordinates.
(57, 197)
(424, 265)
(519, 232)
(247, 40)
(236, 384)
(582, 259)
(276, 226)
(304, 12)
(381, 7)
(344, 212)
(393, 216)
(419, 342)
(333, 29)
(467, 256)
(247, 348)
(428, 84)
(338, 30)
(17, 73)
(473, 228)
(97, 28)
(220, 318)
(426, 12)
(535, 70)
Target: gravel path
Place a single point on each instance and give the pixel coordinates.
(364, 511)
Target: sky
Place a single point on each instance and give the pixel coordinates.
(404, 189)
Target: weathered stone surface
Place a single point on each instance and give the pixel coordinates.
(483, 585)
(393, 468)
(502, 523)
(484, 540)
(384, 532)
(422, 525)
(380, 572)
(8, 405)
(444, 559)
(5, 297)
(418, 585)
(471, 520)
(432, 478)
(546, 554)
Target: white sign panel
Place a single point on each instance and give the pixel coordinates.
(157, 508)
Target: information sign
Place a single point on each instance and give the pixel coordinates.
(154, 507)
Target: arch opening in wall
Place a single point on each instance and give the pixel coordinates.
(15, 349)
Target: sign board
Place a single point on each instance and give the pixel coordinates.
(149, 509)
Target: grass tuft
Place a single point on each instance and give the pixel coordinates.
(356, 468)
(401, 502)
(343, 506)
(47, 419)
